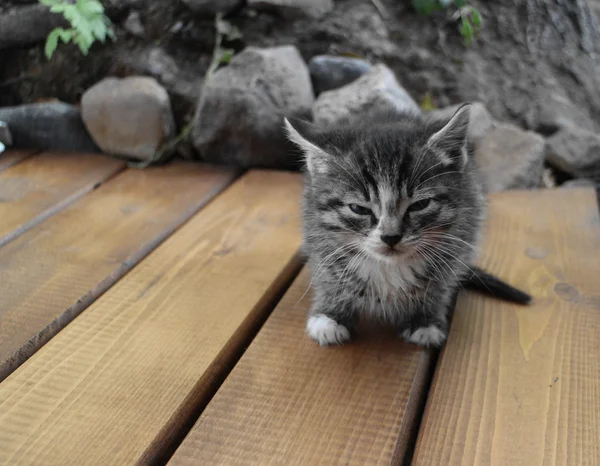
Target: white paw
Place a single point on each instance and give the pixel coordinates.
(326, 331)
(425, 336)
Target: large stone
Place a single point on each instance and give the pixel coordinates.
(212, 7)
(27, 25)
(480, 120)
(128, 117)
(376, 91)
(330, 72)
(239, 119)
(47, 126)
(294, 8)
(179, 78)
(576, 152)
(510, 158)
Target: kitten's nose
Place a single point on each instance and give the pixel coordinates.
(391, 240)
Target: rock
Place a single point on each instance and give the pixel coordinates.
(47, 126)
(133, 24)
(376, 91)
(293, 9)
(180, 79)
(212, 7)
(556, 111)
(239, 118)
(510, 158)
(129, 117)
(27, 25)
(575, 151)
(480, 123)
(330, 72)
(579, 183)
(5, 136)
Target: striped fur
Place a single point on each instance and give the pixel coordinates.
(398, 177)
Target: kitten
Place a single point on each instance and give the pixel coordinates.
(392, 215)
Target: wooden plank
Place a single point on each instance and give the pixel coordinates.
(13, 157)
(288, 401)
(119, 383)
(40, 186)
(51, 273)
(521, 385)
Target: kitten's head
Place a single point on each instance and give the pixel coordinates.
(393, 191)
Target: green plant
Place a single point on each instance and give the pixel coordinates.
(220, 56)
(469, 17)
(88, 24)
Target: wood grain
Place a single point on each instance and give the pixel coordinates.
(40, 186)
(13, 157)
(118, 384)
(289, 401)
(521, 385)
(52, 272)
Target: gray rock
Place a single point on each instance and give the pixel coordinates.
(579, 183)
(179, 78)
(480, 122)
(294, 8)
(5, 136)
(48, 126)
(133, 24)
(376, 91)
(330, 72)
(556, 112)
(576, 152)
(510, 158)
(27, 25)
(212, 7)
(239, 119)
(129, 117)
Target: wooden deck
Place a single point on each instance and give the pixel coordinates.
(157, 317)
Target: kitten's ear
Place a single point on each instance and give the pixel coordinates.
(316, 158)
(451, 140)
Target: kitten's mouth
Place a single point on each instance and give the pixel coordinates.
(394, 253)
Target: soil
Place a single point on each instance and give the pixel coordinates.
(516, 66)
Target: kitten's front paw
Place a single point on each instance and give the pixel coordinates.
(326, 331)
(425, 336)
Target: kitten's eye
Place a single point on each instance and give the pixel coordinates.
(419, 205)
(359, 210)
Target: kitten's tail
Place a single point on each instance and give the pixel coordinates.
(482, 281)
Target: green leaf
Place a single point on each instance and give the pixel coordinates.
(66, 35)
(90, 8)
(226, 56)
(460, 3)
(476, 18)
(52, 43)
(59, 8)
(427, 103)
(98, 28)
(466, 30)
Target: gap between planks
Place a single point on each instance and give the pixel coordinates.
(52, 272)
(13, 157)
(120, 383)
(520, 384)
(42, 185)
(289, 401)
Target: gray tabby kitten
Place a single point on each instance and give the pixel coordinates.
(392, 216)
